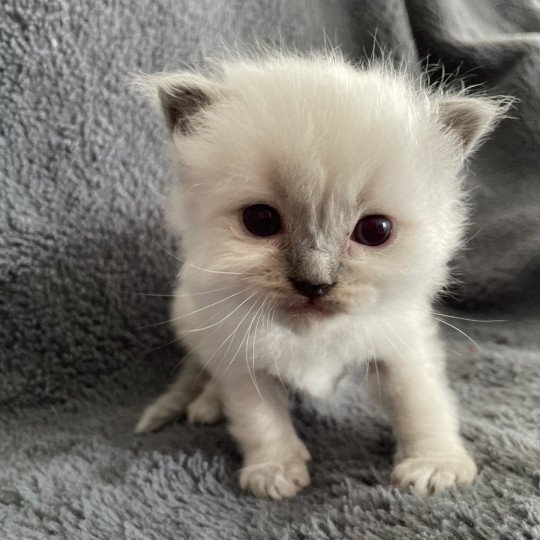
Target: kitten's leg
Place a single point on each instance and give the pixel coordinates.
(173, 403)
(274, 457)
(414, 391)
(206, 407)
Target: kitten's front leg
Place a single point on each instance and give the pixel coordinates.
(274, 457)
(430, 453)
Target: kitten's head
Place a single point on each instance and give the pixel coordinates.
(318, 187)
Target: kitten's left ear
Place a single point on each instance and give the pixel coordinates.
(471, 118)
(181, 97)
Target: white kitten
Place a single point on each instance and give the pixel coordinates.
(318, 206)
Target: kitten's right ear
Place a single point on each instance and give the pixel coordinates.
(470, 118)
(181, 97)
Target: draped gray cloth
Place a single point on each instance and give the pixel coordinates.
(83, 172)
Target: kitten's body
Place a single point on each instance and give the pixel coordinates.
(324, 146)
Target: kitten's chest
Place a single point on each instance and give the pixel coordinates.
(314, 362)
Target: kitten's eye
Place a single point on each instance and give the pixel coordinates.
(262, 220)
(372, 230)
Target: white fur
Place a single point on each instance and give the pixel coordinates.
(325, 144)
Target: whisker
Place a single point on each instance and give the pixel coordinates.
(231, 335)
(273, 312)
(442, 321)
(398, 351)
(452, 316)
(460, 331)
(270, 317)
(175, 295)
(398, 337)
(224, 355)
(159, 347)
(471, 238)
(147, 294)
(376, 368)
(470, 320)
(241, 342)
(252, 375)
(378, 382)
(253, 349)
(368, 339)
(216, 329)
(196, 311)
(208, 326)
(177, 339)
(391, 343)
(210, 335)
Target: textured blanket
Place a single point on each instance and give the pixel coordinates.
(84, 259)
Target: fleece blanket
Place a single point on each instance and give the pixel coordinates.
(84, 261)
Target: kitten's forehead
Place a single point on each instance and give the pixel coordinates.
(314, 144)
(314, 197)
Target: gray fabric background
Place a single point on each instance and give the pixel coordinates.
(83, 172)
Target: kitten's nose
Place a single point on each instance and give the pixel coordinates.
(311, 290)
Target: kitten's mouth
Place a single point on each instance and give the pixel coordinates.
(311, 308)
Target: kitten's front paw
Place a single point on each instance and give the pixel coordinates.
(432, 474)
(205, 409)
(275, 480)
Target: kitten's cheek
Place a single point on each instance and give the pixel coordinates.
(359, 299)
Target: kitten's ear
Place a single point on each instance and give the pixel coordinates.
(471, 118)
(181, 96)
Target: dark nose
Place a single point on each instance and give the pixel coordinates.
(311, 290)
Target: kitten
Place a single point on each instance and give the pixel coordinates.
(318, 206)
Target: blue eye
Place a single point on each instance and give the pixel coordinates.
(372, 230)
(261, 220)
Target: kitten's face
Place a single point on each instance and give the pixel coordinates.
(318, 189)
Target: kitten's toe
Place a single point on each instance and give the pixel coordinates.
(206, 409)
(303, 452)
(430, 475)
(151, 419)
(164, 410)
(275, 480)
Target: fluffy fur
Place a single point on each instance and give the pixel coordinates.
(324, 143)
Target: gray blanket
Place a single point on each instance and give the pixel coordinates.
(83, 172)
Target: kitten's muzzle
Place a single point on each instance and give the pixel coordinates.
(311, 290)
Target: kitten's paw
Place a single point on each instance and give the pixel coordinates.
(275, 480)
(430, 475)
(205, 409)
